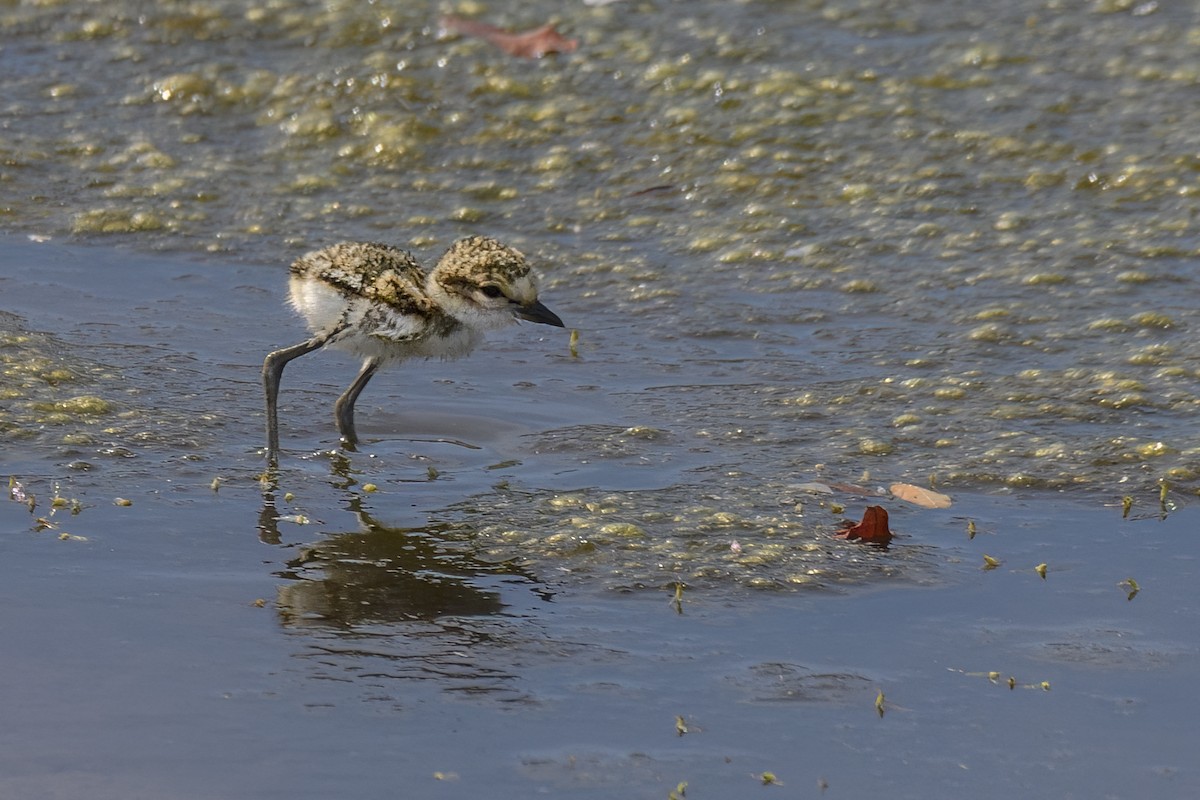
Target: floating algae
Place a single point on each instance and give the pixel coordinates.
(64, 397)
(73, 408)
(746, 533)
(43, 385)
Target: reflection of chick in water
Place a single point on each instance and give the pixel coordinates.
(382, 575)
(377, 574)
(395, 602)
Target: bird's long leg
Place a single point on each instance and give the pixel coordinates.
(343, 409)
(272, 371)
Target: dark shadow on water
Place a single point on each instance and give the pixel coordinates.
(381, 575)
(384, 604)
(378, 574)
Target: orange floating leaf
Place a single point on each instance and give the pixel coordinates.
(529, 44)
(873, 529)
(926, 498)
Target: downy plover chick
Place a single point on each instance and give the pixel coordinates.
(375, 301)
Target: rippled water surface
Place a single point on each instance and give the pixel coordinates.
(805, 245)
(905, 237)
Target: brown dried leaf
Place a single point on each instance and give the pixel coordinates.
(530, 44)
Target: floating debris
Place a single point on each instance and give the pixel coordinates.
(677, 600)
(534, 43)
(873, 529)
(1165, 506)
(926, 498)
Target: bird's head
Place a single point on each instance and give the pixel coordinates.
(485, 284)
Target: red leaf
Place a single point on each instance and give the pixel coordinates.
(530, 44)
(873, 529)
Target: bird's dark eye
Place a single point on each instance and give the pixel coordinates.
(492, 291)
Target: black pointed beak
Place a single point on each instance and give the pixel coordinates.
(536, 312)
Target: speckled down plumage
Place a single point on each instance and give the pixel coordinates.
(475, 256)
(375, 301)
(376, 272)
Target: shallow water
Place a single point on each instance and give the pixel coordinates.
(802, 243)
(906, 239)
(496, 616)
